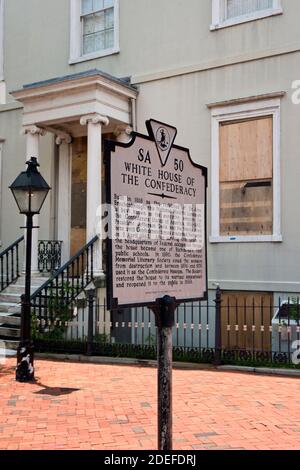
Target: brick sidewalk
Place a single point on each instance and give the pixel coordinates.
(87, 406)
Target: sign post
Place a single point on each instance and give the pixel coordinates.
(156, 230)
(164, 311)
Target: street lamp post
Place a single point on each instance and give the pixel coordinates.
(30, 191)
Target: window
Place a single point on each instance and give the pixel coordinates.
(246, 172)
(230, 12)
(94, 29)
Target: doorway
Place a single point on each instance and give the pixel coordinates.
(78, 194)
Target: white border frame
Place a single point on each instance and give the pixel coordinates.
(218, 15)
(1, 187)
(236, 112)
(1, 40)
(76, 35)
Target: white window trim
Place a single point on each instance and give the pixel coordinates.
(76, 55)
(218, 10)
(237, 112)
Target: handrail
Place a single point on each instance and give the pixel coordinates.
(9, 264)
(64, 267)
(54, 299)
(17, 242)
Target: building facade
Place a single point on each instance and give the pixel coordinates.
(224, 72)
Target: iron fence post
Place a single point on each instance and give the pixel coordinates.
(91, 299)
(218, 339)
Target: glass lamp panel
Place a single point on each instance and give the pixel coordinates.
(29, 201)
(22, 199)
(37, 200)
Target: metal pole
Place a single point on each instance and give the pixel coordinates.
(165, 319)
(218, 339)
(25, 357)
(91, 297)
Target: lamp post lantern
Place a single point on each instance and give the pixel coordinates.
(30, 191)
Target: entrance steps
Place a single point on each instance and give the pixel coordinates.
(10, 311)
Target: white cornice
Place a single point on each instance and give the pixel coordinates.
(74, 85)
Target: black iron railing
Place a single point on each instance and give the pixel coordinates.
(54, 299)
(250, 333)
(10, 264)
(49, 255)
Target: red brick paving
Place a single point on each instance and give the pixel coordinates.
(89, 406)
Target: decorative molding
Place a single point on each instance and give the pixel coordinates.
(62, 139)
(94, 119)
(33, 130)
(123, 131)
(217, 63)
(247, 99)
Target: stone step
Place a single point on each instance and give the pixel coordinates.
(8, 331)
(19, 290)
(8, 307)
(10, 319)
(35, 279)
(7, 353)
(9, 343)
(10, 297)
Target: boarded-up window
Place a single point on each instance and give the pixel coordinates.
(246, 177)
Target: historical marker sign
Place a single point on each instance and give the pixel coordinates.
(157, 222)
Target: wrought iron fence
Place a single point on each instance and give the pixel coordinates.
(248, 334)
(49, 255)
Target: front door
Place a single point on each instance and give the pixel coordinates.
(78, 194)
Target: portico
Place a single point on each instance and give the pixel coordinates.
(78, 109)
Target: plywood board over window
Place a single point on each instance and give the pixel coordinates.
(246, 177)
(245, 320)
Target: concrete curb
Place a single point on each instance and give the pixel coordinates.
(176, 365)
(262, 370)
(119, 361)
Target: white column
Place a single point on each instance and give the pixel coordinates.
(94, 124)
(33, 134)
(64, 194)
(123, 133)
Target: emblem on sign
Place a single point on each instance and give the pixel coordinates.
(164, 137)
(156, 198)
